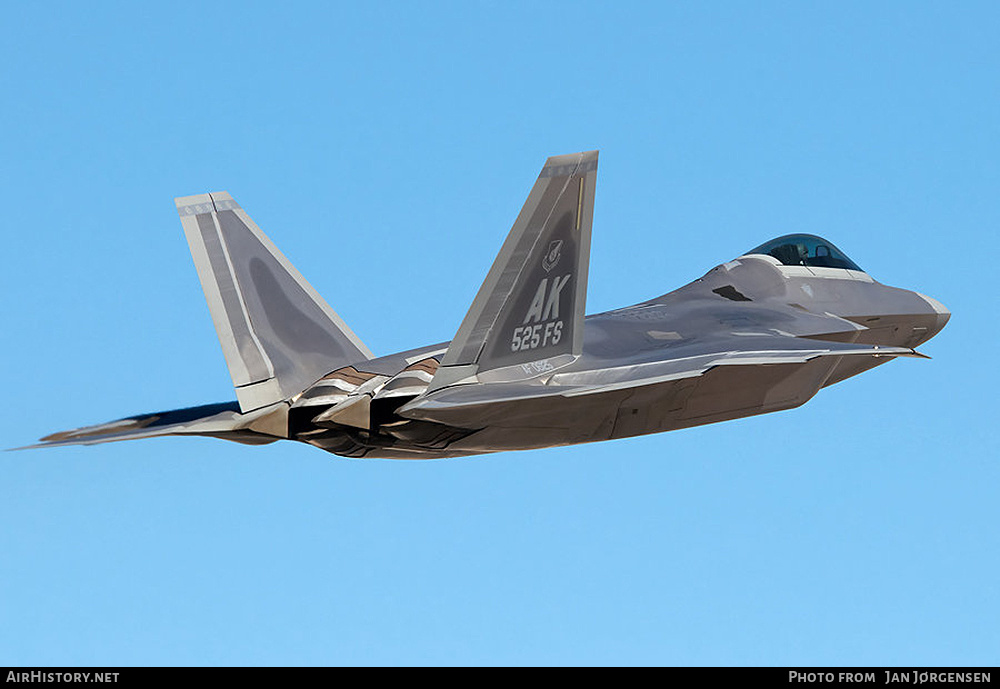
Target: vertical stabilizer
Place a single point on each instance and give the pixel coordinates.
(278, 335)
(528, 315)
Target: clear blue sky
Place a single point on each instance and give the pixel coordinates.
(387, 151)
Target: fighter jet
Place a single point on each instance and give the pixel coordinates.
(527, 368)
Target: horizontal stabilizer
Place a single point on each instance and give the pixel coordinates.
(222, 420)
(278, 335)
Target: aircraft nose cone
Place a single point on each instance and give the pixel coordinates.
(940, 310)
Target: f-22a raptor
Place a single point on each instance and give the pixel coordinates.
(527, 368)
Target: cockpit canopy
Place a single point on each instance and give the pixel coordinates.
(806, 250)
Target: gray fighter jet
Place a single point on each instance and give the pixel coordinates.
(527, 368)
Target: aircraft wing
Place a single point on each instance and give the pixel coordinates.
(730, 351)
(685, 361)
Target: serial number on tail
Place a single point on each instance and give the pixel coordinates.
(535, 336)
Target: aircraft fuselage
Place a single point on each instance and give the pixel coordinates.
(623, 383)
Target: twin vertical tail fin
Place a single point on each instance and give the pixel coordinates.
(278, 335)
(528, 315)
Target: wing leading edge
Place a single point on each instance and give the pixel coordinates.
(723, 352)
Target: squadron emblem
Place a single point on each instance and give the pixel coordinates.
(552, 256)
